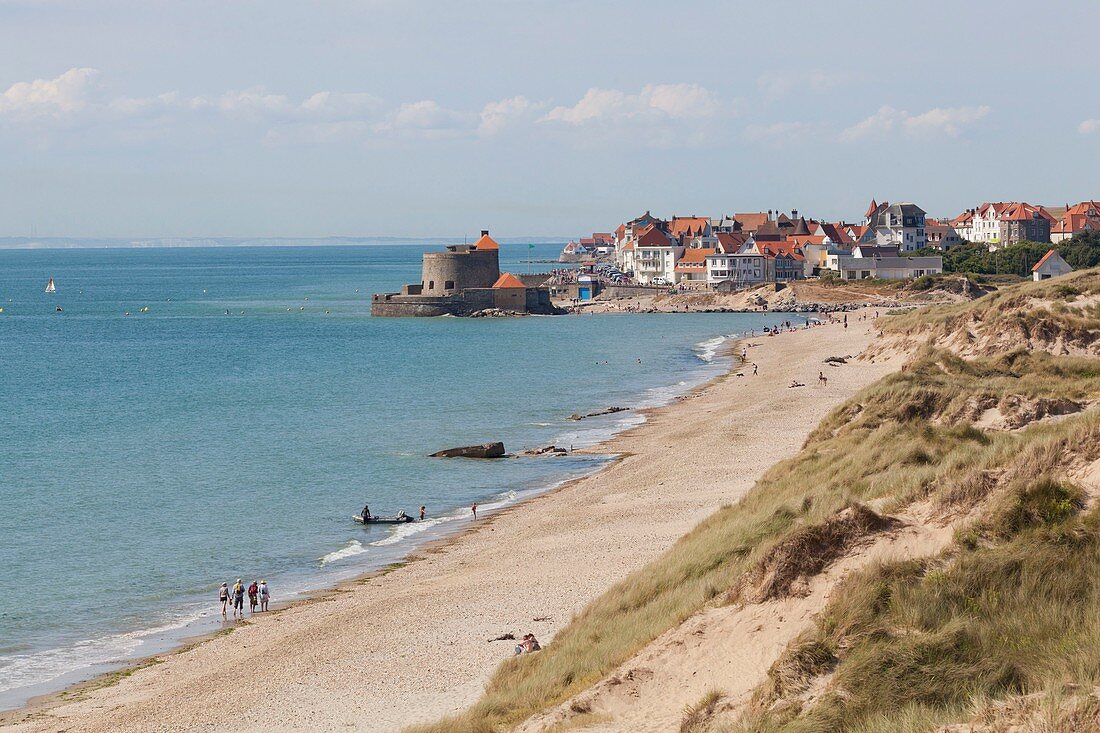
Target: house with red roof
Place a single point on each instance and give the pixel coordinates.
(940, 234)
(691, 267)
(1022, 222)
(652, 256)
(1084, 217)
(1051, 265)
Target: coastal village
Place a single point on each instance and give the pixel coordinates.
(891, 241)
(734, 253)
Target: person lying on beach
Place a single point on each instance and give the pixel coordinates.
(795, 383)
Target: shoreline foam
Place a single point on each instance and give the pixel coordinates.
(122, 651)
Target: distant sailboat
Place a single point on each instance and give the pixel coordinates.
(50, 288)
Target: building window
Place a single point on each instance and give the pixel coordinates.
(431, 285)
(449, 285)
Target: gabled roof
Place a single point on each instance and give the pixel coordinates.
(1021, 211)
(728, 243)
(486, 242)
(652, 236)
(694, 258)
(871, 209)
(1050, 255)
(963, 218)
(801, 240)
(750, 222)
(508, 280)
(689, 225)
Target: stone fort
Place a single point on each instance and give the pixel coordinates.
(464, 279)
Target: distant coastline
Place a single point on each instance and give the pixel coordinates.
(195, 242)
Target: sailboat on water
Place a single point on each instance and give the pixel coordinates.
(50, 287)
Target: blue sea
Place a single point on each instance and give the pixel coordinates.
(232, 429)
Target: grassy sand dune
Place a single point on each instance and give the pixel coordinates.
(990, 444)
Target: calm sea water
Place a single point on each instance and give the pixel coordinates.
(144, 459)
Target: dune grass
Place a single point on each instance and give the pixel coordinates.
(918, 642)
(909, 437)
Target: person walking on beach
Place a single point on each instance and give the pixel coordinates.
(473, 508)
(223, 596)
(823, 379)
(744, 354)
(423, 509)
(253, 596)
(754, 369)
(265, 595)
(238, 599)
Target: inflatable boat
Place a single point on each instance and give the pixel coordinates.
(381, 520)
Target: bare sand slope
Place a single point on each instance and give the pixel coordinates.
(411, 645)
(728, 648)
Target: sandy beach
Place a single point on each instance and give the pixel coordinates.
(412, 644)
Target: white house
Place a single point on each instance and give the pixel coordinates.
(739, 269)
(1051, 265)
(901, 225)
(885, 264)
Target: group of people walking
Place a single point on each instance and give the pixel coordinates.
(258, 596)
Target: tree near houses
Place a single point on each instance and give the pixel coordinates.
(1081, 251)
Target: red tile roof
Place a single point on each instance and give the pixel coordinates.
(689, 225)
(694, 259)
(1043, 260)
(508, 280)
(750, 222)
(486, 242)
(651, 236)
(729, 243)
(1020, 211)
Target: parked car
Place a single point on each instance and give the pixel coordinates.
(659, 281)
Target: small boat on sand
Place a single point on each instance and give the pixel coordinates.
(382, 520)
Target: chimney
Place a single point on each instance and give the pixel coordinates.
(794, 213)
(484, 232)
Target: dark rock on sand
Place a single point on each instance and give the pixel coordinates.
(486, 450)
(608, 411)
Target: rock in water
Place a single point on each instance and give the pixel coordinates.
(486, 450)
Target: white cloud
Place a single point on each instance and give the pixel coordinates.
(659, 116)
(949, 121)
(1088, 127)
(428, 118)
(498, 116)
(654, 101)
(64, 94)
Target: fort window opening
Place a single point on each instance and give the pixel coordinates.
(449, 285)
(431, 285)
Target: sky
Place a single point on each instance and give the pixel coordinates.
(123, 118)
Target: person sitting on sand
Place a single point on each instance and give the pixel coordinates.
(528, 645)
